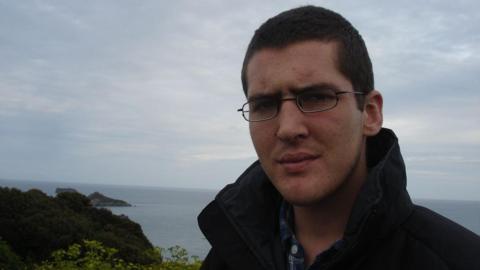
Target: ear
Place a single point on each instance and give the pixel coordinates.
(372, 113)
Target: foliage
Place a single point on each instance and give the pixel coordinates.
(8, 259)
(35, 225)
(44, 233)
(177, 258)
(92, 255)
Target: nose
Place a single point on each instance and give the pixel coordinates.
(291, 123)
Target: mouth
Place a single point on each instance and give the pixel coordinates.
(297, 162)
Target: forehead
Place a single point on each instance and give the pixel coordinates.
(295, 66)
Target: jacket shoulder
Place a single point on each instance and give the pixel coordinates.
(213, 262)
(454, 245)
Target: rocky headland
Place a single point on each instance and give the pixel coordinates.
(97, 199)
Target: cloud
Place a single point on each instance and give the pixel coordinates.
(442, 124)
(115, 91)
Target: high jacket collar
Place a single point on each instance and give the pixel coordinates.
(249, 208)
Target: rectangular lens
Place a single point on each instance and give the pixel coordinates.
(317, 100)
(262, 108)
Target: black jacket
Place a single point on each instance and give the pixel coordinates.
(385, 230)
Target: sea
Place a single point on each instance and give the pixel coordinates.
(168, 216)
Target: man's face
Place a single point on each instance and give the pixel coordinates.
(307, 156)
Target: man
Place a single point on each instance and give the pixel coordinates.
(328, 191)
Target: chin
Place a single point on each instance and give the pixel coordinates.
(305, 191)
(301, 195)
(299, 200)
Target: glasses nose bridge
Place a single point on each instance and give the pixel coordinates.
(282, 100)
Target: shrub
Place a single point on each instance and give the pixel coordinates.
(8, 259)
(35, 225)
(93, 255)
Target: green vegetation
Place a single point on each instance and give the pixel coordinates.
(41, 232)
(93, 255)
(8, 259)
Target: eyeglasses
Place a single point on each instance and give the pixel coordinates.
(318, 100)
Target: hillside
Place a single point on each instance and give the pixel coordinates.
(34, 224)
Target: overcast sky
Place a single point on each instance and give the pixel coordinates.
(146, 92)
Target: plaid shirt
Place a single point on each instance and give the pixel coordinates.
(295, 252)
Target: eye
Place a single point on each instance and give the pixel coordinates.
(318, 95)
(262, 105)
(317, 99)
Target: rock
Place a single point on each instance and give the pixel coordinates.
(97, 199)
(61, 190)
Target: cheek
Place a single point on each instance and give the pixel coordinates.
(349, 137)
(262, 139)
(337, 134)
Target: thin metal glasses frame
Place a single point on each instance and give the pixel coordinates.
(297, 102)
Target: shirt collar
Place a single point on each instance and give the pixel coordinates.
(294, 250)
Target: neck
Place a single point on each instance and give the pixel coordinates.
(320, 225)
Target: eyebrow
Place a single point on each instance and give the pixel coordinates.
(295, 91)
(316, 86)
(277, 94)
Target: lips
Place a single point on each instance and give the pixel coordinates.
(296, 162)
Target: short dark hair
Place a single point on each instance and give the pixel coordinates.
(316, 23)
